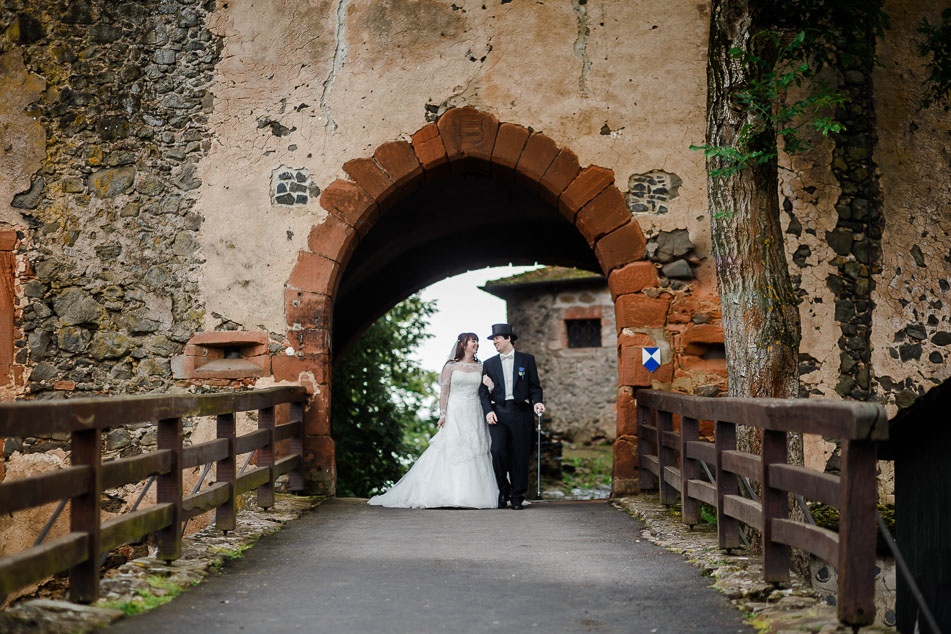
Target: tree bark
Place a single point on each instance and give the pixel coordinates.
(760, 312)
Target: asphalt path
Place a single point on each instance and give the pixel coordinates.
(553, 567)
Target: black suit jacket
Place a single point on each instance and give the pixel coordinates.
(525, 378)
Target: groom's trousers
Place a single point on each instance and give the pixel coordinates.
(512, 440)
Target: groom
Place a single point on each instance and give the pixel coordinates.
(508, 408)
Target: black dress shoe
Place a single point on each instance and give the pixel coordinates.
(516, 506)
(503, 504)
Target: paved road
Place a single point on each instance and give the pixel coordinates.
(554, 567)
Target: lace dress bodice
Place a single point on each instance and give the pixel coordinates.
(459, 381)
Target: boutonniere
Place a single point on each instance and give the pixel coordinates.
(521, 372)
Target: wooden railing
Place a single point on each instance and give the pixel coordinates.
(82, 483)
(680, 462)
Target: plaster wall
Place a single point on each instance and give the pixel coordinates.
(911, 337)
(313, 85)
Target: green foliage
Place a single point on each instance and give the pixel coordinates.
(587, 471)
(937, 44)
(708, 515)
(802, 38)
(764, 99)
(378, 391)
(826, 516)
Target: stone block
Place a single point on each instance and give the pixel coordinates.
(632, 278)
(628, 339)
(468, 136)
(508, 148)
(625, 458)
(333, 239)
(307, 310)
(696, 339)
(694, 364)
(428, 147)
(229, 337)
(563, 169)
(371, 178)
(602, 215)
(590, 182)
(310, 340)
(640, 311)
(111, 182)
(399, 161)
(319, 465)
(8, 240)
(626, 413)
(314, 273)
(292, 367)
(537, 156)
(349, 202)
(631, 371)
(622, 246)
(317, 414)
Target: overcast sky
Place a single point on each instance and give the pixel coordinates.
(462, 307)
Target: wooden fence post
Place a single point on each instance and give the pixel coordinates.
(295, 479)
(665, 455)
(84, 515)
(265, 492)
(169, 489)
(225, 471)
(690, 508)
(775, 505)
(857, 533)
(645, 477)
(727, 527)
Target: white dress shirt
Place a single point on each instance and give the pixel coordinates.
(508, 372)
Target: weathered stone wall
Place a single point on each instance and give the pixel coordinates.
(867, 216)
(911, 333)
(579, 383)
(108, 214)
(102, 114)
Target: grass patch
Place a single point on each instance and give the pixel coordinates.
(146, 600)
(582, 467)
(226, 555)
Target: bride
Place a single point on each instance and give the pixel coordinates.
(456, 469)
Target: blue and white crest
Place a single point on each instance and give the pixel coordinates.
(650, 357)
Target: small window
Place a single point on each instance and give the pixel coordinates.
(584, 333)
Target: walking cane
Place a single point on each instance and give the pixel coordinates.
(538, 458)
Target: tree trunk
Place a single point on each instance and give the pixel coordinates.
(760, 313)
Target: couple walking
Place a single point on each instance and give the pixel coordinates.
(479, 456)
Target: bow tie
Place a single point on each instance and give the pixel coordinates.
(510, 355)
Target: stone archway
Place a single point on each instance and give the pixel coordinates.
(465, 140)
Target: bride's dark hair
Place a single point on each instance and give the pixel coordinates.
(461, 343)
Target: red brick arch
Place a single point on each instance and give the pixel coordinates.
(464, 139)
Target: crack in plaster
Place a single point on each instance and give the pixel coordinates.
(340, 55)
(581, 44)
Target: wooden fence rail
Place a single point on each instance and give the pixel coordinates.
(82, 483)
(677, 460)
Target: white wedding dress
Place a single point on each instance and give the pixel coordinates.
(456, 468)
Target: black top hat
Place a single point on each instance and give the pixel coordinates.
(504, 330)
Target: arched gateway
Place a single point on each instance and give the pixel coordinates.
(390, 232)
